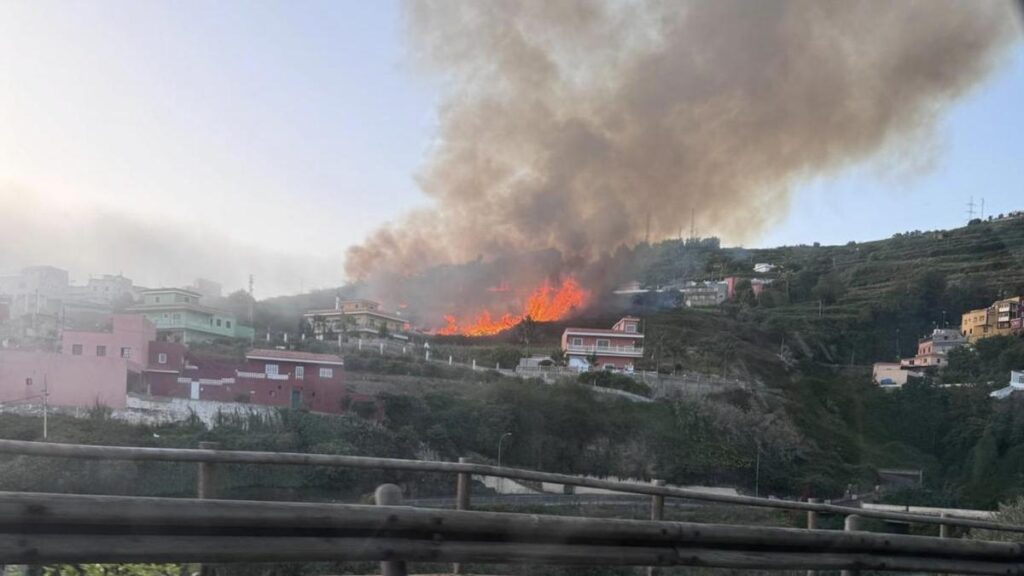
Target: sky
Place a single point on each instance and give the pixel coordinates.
(172, 140)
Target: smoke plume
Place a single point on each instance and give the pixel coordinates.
(581, 125)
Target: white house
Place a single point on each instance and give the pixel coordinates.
(1016, 383)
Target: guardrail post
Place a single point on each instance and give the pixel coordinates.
(206, 487)
(657, 502)
(812, 516)
(207, 483)
(812, 524)
(463, 488)
(657, 513)
(390, 495)
(943, 528)
(850, 523)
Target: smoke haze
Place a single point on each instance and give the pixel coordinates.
(582, 125)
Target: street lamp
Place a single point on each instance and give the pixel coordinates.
(501, 481)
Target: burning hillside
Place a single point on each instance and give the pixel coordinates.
(546, 303)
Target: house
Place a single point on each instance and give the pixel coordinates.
(1016, 383)
(74, 381)
(35, 290)
(763, 267)
(615, 349)
(891, 374)
(91, 367)
(699, 294)
(932, 350)
(179, 316)
(268, 377)
(128, 338)
(756, 285)
(361, 318)
(1003, 318)
(106, 289)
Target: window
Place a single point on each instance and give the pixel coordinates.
(270, 369)
(327, 373)
(603, 343)
(300, 372)
(176, 317)
(76, 349)
(157, 299)
(218, 321)
(101, 350)
(631, 328)
(161, 358)
(227, 323)
(126, 352)
(576, 341)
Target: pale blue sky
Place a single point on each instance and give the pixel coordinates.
(167, 140)
(978, 151)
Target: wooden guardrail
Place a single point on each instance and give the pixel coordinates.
(55, 528)
(212, 456)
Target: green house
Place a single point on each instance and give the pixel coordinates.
(178, 315)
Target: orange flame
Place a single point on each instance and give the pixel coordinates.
(545, 304)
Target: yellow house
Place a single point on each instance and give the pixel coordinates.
(975, 325)
(1002, 318)
(357, 318)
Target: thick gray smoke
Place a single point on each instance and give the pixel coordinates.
(581, 125)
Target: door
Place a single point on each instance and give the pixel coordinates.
(296, 399)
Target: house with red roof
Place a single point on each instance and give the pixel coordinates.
(617, 348)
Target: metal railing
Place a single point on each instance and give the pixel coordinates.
(580, 349)
(50, 528)
(211, 456)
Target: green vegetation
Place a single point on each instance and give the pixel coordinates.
(617, 381)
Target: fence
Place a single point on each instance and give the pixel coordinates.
(37, 528)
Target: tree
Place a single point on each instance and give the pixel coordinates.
(240, 303)
(829, 289)
(558, 355)
(526, 331)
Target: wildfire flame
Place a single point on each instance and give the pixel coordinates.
(544, 304)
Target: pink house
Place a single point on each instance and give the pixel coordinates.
(68, 380)
(128, 338)
(91, 368)
(615, 349)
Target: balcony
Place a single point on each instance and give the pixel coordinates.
(628, 351)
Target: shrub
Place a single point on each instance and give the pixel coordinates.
(605, 379)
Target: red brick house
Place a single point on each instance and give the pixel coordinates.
(282, 378)
(615, 349)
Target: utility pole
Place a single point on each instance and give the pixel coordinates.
(970, 209)
(983, 207)
(693, 227)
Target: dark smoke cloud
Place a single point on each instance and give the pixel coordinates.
(583, 125)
